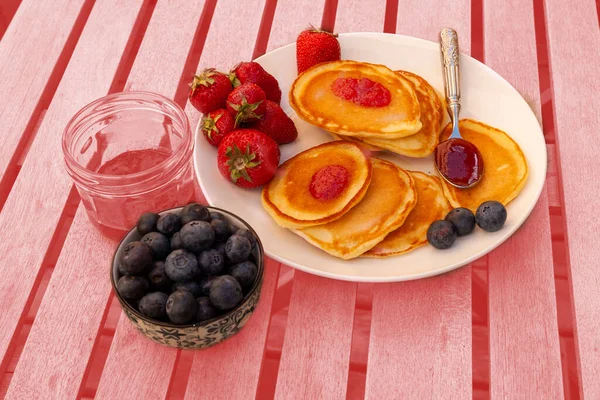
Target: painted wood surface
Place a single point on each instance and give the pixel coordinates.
(55, 356)
(292, 17)
(573, 43)
(419, 328)
(524, 344)
(29, 51)
(360, 16)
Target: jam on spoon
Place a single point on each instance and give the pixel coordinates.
(457, 160)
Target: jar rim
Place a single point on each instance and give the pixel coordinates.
(175, 158)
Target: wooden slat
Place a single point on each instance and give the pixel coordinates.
(316, 350)
(32, 212)
(573, 41)
(292, 17)
(29, 50)
(360, 16)
(421, 330)
(524, 356)
(552, 177)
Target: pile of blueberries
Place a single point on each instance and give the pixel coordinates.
(489, 216)
(188, 267)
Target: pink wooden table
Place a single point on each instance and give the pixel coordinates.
(522, 322)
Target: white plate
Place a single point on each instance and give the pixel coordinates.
(486, 96)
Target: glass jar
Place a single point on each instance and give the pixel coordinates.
(129, 153)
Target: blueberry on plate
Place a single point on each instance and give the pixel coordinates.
(168, 224)
(222, 229)
(491, 216)
(194, 212)
(192, 286)
(158, 277)
(217, 215)
(181, 307)
(441, 234)
(181, 266)
(463, 220)
(245, 272)
(248, 235)
(197, 236)
(154, 305)
(211, 262)
(205, 284)
(237, 249)
(225, 292)
(176, 242)
(159, 245)
(132, 287)
(147, 223)
(135, 259)
(206, 310)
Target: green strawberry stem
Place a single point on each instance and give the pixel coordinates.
(239, 162)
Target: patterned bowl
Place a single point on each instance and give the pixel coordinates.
(203, 334)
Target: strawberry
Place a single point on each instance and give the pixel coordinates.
(315, 46)
(246, 102)
(253, 72)
(276, 124)
(248, 158)
(209, 90)
(216, 124)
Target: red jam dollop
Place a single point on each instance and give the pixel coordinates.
(363, 91)
(328, 182)
(459, 161)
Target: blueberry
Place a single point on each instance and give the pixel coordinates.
(237, 249)
(197, 236)
(192, 286)
(245, 272)
(135, 259)
(220, 247)
(441, 234)
(225, 292)
(205, 284)
(222, 229)
(158, 277)
(211, 262)
(491, 216)
(176, 242)
(462, 219)
(217, 215)
(181, 266)
(206, 310)
(153, 305)
(158, 243)
(132, 287)
(194, 212)
(147, 223)
(248, 235)
(168, 224)
(182, 307)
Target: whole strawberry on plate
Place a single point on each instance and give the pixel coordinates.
(246, 103)
(253, 72)
(276, 124)
(216, 125)
(314, 46)
(209, 90)
(248, 158)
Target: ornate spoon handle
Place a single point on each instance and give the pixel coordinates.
(451, 71)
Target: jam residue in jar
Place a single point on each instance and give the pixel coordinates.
(459, 161)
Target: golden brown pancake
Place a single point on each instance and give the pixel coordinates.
(431, 206)
(504, 166)
(313, 99)
(288, 199)
(357, 140)
(389, 200)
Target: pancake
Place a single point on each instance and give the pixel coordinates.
(288, 199)
(422, 143)
(504, 166)
(390, 199)
(358, 140)
(312, 97)
(431, 205)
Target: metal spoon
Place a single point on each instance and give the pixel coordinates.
(457, 160)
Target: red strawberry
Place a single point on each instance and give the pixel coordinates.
(315, 46)
(276, 124)
(253, 72)
(209, 90)
(248, 158)
(216, 124)
(246, 102)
